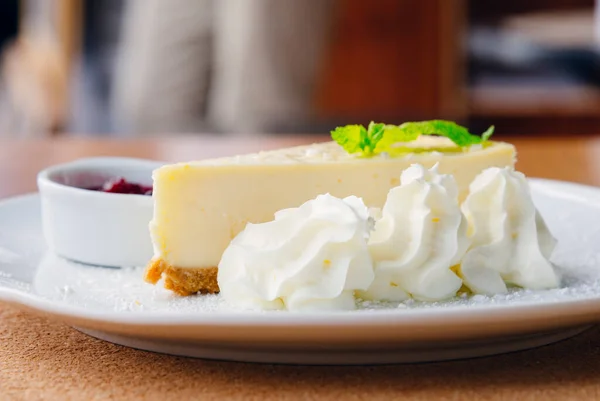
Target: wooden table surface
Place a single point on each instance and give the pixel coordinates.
(42, 359)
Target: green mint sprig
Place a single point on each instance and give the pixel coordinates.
(379, 137)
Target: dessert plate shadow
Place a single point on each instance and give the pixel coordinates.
(115, 305)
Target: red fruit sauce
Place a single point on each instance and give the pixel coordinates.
(121, 186)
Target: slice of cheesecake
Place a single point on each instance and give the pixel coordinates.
(199, 207)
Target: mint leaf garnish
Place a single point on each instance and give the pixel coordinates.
(355, 138)
(379, 137)
(487, 134)
(350, 137)
(375, 133)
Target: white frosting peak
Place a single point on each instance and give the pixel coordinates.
(510, 241)
(309, 258)
(419, 237)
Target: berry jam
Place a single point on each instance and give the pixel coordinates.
(121, 186)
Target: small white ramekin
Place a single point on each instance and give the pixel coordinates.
(94, 227)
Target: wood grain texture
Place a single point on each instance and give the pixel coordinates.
(44, 360)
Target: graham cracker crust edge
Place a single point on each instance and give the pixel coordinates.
(182, 280)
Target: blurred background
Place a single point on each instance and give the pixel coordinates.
(125, 68)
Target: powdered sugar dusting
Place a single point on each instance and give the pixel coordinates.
(123, 290)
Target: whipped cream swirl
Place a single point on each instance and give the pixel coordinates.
(510, 241)
(420, 236)
(309, 258)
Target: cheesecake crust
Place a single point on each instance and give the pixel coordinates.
(183, 280)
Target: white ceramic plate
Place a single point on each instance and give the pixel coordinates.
(116, 305)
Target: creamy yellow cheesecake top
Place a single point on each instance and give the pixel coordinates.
(331, 152)
(199, 207)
